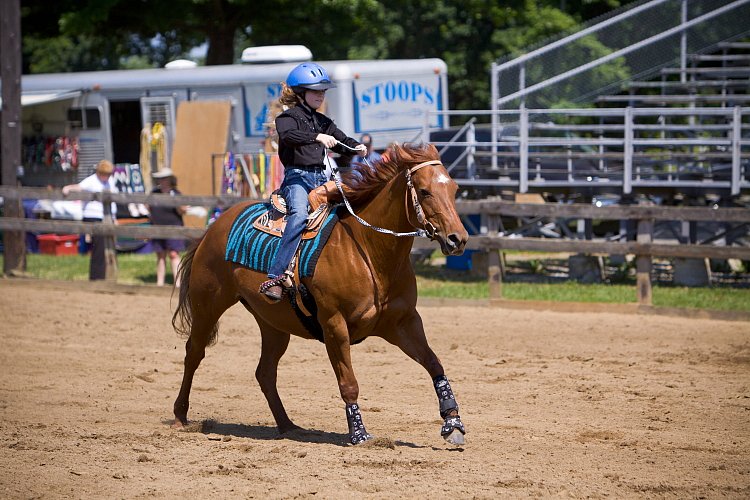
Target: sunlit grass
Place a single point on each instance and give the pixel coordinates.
(132, 269)
(447, 283)
(435, 281)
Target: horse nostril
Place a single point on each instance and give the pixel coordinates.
(454, 240)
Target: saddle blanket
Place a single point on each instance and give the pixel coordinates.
(256, 250)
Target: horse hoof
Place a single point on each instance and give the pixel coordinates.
(456, 438)
(359, 439)
(177, 425)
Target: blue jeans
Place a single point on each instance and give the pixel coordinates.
(296, 186)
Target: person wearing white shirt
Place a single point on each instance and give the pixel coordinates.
(93, 211)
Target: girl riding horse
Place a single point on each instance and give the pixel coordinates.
(304, 135)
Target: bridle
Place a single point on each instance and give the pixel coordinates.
(428, 229)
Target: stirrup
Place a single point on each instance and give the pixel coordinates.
(268, 284)
(284, 281)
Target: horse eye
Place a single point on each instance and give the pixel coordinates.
(424, 193)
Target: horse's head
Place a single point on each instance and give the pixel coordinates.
(433, 197)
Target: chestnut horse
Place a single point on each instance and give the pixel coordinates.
(363, 284)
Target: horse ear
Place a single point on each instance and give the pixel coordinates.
(392, 152)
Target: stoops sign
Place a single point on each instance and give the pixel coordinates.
(390, 98)
(382, 104)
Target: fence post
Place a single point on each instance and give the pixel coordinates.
(495, 90)
(736, 149)
(14, 242)
(627, 161)
(110, 251)
(523, 150)
(471, 170)
(683, 41)
(643, 263)
(494, 271)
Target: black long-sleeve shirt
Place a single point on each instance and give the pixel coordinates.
(297, 128)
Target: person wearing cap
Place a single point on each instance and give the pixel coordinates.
(93, 211)
(371, 156)
(304, 134)
(166, 183)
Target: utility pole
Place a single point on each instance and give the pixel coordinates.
(10, 129)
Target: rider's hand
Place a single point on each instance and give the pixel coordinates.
(362, 149)
(326, 140)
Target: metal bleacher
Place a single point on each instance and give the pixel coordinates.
(652, 98)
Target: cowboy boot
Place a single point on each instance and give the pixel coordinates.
(273, 288)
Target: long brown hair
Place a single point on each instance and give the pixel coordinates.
(288, 97)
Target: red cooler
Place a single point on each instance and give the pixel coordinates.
(58, 244)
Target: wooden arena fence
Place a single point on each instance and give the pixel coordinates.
(489, 241)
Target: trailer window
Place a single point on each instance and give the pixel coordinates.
(84, 118)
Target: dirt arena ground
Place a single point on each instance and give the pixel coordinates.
(555, 404)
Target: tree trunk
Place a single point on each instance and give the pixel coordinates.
(221, 33)
(14, 242)
(220, 46)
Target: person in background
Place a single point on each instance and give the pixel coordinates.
(304, 134)
(371, 156)
(93, 211)
(166, 183)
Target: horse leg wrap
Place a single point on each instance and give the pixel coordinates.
(447, 405)
(451, 423)
(445, 395)
(357, 432)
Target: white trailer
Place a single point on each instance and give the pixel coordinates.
(392, 100)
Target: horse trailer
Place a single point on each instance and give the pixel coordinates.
(104, 112)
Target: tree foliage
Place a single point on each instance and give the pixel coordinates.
(76, 35)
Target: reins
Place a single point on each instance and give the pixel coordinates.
(429, 229)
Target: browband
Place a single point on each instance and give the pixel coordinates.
(424, 164)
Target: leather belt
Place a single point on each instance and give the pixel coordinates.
(311, 168)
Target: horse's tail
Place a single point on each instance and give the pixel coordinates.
(182, 320)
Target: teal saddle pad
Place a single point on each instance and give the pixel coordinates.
(256, 249)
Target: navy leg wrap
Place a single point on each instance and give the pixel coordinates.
(357, 432)
(447, 405)
(445, 395)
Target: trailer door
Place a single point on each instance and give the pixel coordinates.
(160, 110)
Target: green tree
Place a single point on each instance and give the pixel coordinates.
(469, 35)
(47, 50)
(74, 35)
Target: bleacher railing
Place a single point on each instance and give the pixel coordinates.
(615, 150)
(634, 43)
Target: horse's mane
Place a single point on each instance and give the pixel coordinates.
(362, 182)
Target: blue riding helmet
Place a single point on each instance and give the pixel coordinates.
(309, 76)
